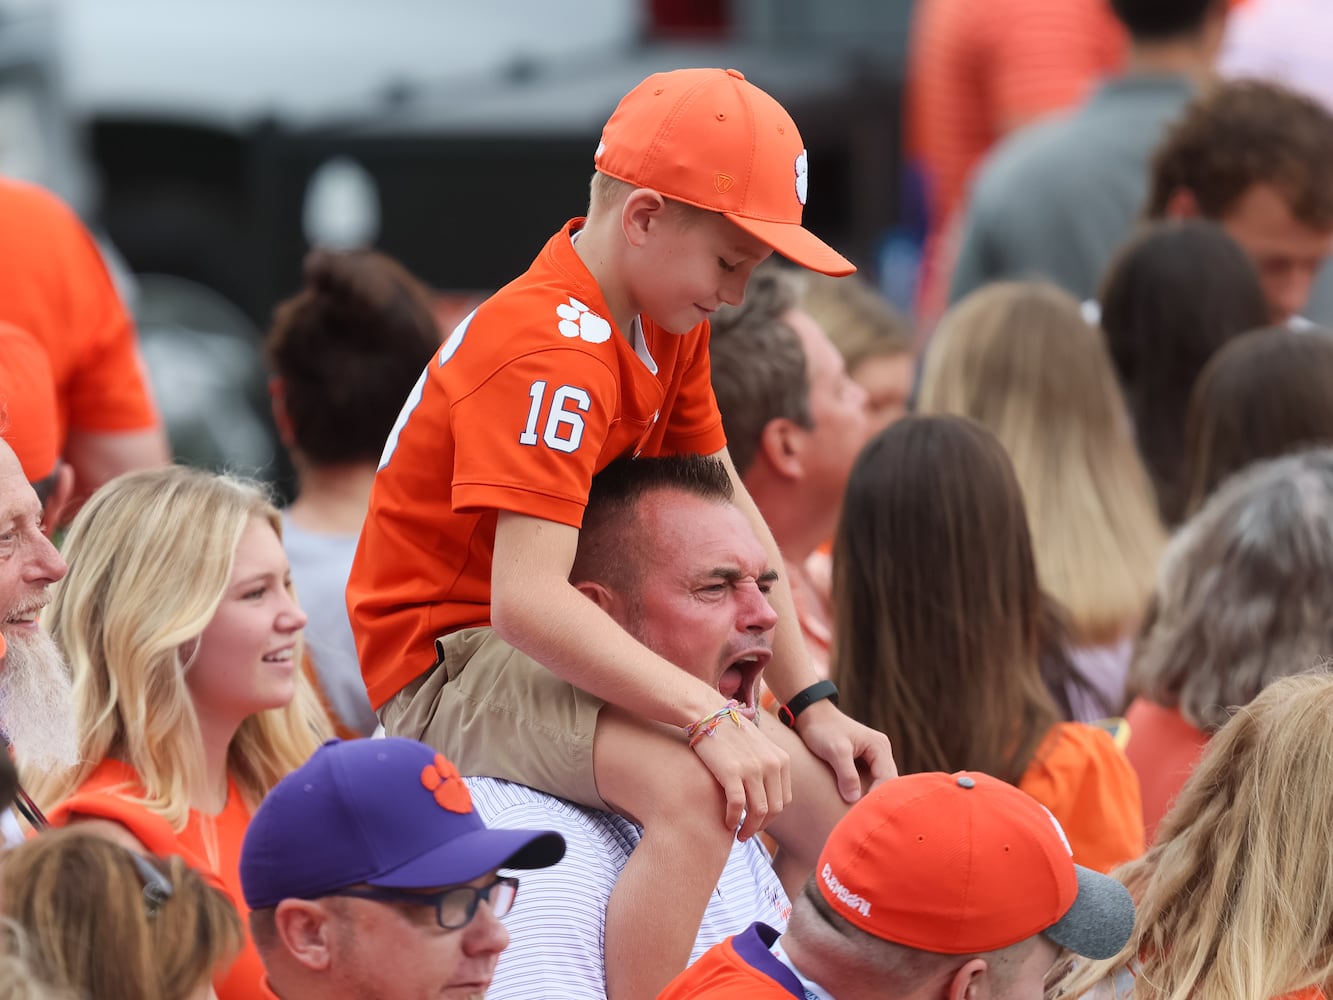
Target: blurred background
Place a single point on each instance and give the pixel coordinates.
(210, 143)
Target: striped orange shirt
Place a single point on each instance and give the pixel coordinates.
(978, 68)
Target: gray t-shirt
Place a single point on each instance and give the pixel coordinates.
(320, 564)
(1057, 199)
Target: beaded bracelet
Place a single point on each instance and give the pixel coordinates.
(707, 726)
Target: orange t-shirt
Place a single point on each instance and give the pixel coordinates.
(1163, 748)
(54, 284)
(1083, 778)
(530, 396)
(209, 844)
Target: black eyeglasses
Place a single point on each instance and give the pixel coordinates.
(455, 907)
(156, 886)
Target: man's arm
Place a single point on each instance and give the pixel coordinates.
(833, 737)
(535, 609)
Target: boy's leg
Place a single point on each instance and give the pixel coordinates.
(650, 775)
(504, 716)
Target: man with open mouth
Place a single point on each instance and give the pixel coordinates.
(664, 552)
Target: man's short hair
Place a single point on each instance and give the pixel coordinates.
(1242, 133)
(1150, 20)
(758, 364)
(609, 536)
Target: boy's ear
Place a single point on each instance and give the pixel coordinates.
(643, 209)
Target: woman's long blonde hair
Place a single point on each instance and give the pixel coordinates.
(1235, 899)
(1019, 358)
(150, 556)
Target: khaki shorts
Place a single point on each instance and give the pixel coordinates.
(504, 716)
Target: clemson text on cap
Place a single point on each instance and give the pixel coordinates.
(847, 898)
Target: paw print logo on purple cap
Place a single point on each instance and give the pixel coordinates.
(443, 781)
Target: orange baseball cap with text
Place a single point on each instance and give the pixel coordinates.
(961, 864)
(28, 414)
(712, 139)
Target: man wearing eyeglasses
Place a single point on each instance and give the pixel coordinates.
(369, 875)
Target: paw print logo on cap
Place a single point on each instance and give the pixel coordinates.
(576, 320)
(802, 177)
(443, 781)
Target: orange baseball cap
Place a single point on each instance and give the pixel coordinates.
(960, 864)
(711, 139)
(28, 414)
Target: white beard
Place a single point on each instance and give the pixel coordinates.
(37, 712)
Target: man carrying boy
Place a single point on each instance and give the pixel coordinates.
(698, 596)
(599, 350)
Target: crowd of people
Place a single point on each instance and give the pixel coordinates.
(774, 643)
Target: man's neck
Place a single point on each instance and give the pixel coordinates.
(1188, 57)
(334, 498)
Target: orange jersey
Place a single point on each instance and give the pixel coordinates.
(209, 844)
(529, 397)
(1084, 779)
(54, 284)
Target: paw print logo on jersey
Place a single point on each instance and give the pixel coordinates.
(802, 177)
(441, 779)
(577, 320)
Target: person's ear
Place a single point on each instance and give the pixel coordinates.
(1182, 205)
(782, 445)
(644, 209)
(971, 981)
(277, 394)
(608, 600)
(58, 498)
(303, 927)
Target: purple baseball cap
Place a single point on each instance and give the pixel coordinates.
(391, 813)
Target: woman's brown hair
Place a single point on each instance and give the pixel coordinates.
(938, 606)
(1265, 394)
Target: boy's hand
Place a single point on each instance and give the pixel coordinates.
(755, 774)
(841, 742)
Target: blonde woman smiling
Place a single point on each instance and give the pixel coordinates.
(183, 636)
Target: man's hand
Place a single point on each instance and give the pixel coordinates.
(841, 742)
(755, 774)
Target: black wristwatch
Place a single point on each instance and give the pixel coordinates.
(818, 691)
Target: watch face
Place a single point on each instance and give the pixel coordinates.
(785, 717)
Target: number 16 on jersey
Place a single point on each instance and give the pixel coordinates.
(563, 427)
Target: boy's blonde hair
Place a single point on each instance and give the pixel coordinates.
(606, 194)
(1235, 899)
(1019, 358)
(150, 557)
